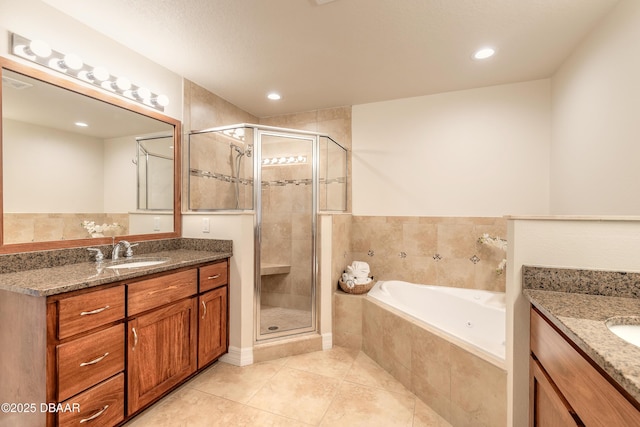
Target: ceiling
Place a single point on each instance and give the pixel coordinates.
(320, 54)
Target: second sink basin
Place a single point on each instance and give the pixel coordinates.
(627, 328)
(136, 263)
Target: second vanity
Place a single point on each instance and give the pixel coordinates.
(87, 344)
(581, 373)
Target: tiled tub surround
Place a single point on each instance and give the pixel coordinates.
(431, 250)
(579, 302)
(463, 388)
(48, 273)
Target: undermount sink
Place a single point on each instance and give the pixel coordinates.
(136, 263)
(627, 328)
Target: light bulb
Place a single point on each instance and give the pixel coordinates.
(99, 74)
(122, 84)
(71, 61)
(161, 100)
(39, 48)
(142, 93)
(274, 96)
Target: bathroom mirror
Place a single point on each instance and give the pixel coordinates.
(80, 166)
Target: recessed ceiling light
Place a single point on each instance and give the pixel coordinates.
(484, 53)
(274, 96)
(81, 124)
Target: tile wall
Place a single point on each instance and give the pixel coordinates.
(426, 250)
(43, 227)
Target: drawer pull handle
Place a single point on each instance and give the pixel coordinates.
(135, 338)
(96, 311)
(204, 308)
(94, 361)
(94, 416)
(215, 276)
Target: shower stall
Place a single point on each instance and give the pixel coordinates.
(285, 177)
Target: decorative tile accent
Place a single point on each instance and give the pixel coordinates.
(370, 253)
(474, 259)
(403, 254)
(437, 257)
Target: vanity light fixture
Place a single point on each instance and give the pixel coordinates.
(284, 160)
(72, 65)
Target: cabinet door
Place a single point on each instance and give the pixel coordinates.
(547, 407)
(161, 351)
(212, 331)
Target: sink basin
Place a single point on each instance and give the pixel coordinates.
(136, 263)
(627, 328)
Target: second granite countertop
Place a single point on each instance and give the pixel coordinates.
(55, 280)
(582, 318)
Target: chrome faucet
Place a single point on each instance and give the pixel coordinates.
(115, 254)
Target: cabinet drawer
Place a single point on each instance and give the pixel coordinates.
(213, 276)
(88, 360)
(162, 290)
(87, 311)
(102, 405)
(590, 394)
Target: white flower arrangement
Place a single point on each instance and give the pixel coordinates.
(496, 242)
(98, 230)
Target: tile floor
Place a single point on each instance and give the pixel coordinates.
(337, 387)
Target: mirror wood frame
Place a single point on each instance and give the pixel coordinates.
(81, 89)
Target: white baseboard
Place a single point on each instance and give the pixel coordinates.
(327, 341)
(238, 356)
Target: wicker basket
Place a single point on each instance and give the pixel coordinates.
(357, 289)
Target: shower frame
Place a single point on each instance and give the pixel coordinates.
(315, 139)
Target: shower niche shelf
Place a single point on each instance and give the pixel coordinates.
(267, 269)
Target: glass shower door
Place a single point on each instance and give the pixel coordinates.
(285, 234)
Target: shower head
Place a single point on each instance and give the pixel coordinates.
(247, 151)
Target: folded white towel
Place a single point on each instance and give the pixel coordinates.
(360, 265)
(359, 269)
(362, 280)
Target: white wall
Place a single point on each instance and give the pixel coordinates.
(45, 178)
(120, 184)
(479, 152)
(37, 20)
(239, 229)
(596, 130)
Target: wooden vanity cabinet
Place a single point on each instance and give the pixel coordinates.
(110, 350)
(85, 345)
(175, 327)
(213, 334)
(566, 388)
(161, 352)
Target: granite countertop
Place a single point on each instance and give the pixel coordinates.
(582, 318)
(71, 277)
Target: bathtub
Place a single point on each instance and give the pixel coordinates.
(472, 319)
